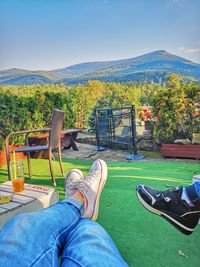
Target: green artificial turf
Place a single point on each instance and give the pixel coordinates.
(143, 239)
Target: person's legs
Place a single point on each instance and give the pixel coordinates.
(35, 239)
(88, 244)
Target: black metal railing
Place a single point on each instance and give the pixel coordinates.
(116, 126)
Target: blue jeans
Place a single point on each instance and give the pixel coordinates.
(38, 239)
(197, 187)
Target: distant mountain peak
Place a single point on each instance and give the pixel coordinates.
(152, 66)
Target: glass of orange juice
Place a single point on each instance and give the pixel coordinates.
(17, 175)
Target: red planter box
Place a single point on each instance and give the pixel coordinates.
(180, 151)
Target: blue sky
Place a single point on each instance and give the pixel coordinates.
(51, 34)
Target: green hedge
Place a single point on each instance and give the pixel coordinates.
(22, 113)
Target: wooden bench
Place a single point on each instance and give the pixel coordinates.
(68, 138)
(32, 198)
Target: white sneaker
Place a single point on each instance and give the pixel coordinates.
(91, 187)
(72, 179)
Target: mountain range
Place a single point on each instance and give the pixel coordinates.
(154, 66)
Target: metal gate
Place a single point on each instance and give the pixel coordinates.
(116, 125)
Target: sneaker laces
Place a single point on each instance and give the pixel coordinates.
(88, 181)
(70, 184)
(167, 195)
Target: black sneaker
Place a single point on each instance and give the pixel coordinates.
(170, 206)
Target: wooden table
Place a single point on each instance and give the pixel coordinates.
(68, 138)
(33, 198)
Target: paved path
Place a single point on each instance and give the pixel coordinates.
(88, 152)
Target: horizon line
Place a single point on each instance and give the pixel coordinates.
(98, 61)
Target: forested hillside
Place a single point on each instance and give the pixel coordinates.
(154, 66)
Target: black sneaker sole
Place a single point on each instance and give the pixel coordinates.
(179, 226)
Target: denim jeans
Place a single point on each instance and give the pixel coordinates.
(38, 239)
(197, 187)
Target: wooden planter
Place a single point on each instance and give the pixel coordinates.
(180, 151)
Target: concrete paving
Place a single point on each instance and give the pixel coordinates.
(88, 152)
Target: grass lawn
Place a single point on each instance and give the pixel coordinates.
(143, 239)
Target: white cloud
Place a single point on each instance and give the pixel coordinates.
(181, 48)
(190, 50)
(146, 50)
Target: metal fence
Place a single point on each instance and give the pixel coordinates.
(116, 126)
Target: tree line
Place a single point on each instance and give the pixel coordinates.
(173, 104)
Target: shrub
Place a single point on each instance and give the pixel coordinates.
(173, 108)
(21, 113)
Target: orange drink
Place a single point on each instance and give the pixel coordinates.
(17, 175)
(18, 184)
